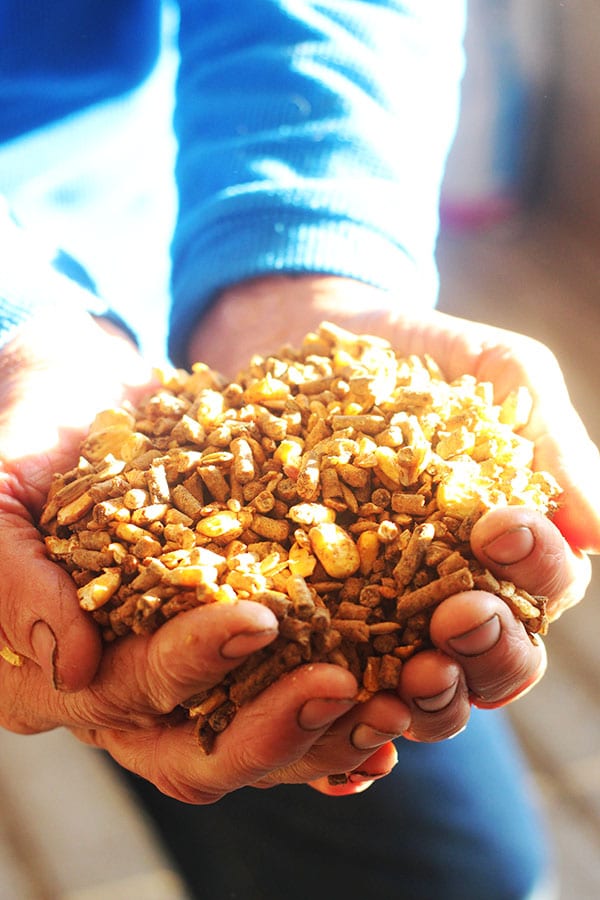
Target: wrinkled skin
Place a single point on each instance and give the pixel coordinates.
(124, 697)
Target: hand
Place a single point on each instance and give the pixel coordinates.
(484, 656)
(53, 379)
(125, 697)
(492, 661)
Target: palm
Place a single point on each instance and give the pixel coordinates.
(51, 388)
(50, 392)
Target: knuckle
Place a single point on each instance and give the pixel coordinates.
(174, 780)
(566, 592)
(503, 683)
(179, 789)
(167, 680)
(251, 762)
(102, 708)
(438, 726)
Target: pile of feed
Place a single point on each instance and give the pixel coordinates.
(337, 484)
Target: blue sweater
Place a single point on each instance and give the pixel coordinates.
(312, 135)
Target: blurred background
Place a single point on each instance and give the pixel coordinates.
(519, 248)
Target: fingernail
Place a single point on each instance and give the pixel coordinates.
(511, 547)
(364, 737)
(247, 642)
(318, 713)
(43, 642)
(368, 777)
(479, 640)
(438, 701)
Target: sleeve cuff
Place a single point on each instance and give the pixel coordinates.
(290, 244)
(32, 278)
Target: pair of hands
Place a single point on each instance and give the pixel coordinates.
(125, 697)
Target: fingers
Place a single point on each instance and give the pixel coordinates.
(564, 448)
(435, 690)
(194, 652)
(353, 748)
(268, 734)
(141, 678)
(479, 632)
(40, 616)
(484, 657)
(523, 546)
(301, 729)
(488, 659)
(376, 766)
(44, 410)
(562, 445)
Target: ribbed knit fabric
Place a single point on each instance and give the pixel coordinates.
(312, 135)
(312, 139)
(61, 56)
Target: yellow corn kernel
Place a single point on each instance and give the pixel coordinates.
(266, 389)
(191, 576)
(311, 513)
(99, 444)
(301, 561)
(353, 408)
(387, 461)
(12, 658)
(335, 549)
(99, 590)
(458, 498)
(225, 594)
(367, 544)
(220, 525)
(289, 454)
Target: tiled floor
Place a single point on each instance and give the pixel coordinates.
(69, 832)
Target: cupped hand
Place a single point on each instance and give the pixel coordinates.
(306, 726)
(302, 728)
(54, 377)
(126, 697)
(483, 655)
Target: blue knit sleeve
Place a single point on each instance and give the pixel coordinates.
(35, 276)
(312, 138)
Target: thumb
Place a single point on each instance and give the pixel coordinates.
(523, 546)
(40, 617)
